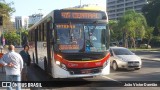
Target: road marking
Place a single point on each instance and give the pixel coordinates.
(111, 79)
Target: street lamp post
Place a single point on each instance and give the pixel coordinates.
(20, 38)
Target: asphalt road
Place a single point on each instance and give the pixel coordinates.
(150, 71)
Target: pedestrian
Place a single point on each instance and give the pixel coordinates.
(25, 55)
(13, 64)
(26, 59)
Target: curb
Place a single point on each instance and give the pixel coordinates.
(150, 59)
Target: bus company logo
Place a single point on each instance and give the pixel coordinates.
(6, 84)
(72, 65)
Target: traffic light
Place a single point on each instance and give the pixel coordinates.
(1, 20)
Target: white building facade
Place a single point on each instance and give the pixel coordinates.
(21, 22)
(35, 18)
(116, 8)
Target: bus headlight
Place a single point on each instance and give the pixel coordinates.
(105, 63)
(63, 66)
(58, 62)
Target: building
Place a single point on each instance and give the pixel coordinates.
(35, 18)
(21, 22)
(91, 6)
(116, 8)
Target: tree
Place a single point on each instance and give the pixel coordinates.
(151, 11)
(116, 34)
(158, 22)
(149, 34)
(12, 38)
(24, 37)
(6, 11)
(132, 25)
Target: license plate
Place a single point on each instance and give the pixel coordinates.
(85, 71)
(133, 64)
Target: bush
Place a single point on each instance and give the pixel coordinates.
(155, 42)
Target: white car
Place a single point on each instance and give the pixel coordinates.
(123, 58)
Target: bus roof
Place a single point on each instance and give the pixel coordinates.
(85, 8)
(91, 8)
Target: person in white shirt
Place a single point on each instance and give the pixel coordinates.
(13, 64)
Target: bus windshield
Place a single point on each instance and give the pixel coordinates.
(81, 37)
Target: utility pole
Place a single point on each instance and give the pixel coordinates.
(20, 39)
(20, 44)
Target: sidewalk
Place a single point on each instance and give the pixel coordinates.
(151, 59)
(3, 77)
(148, 54)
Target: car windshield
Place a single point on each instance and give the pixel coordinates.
(120, 51)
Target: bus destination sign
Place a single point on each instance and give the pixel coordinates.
(81, 15)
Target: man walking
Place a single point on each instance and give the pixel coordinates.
(13, 63)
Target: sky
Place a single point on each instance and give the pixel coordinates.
(29, 7)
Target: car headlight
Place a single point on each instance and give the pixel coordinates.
(121, 59)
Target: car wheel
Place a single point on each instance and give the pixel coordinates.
(115, 66)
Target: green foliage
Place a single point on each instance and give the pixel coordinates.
(158, 22)
(132, 25)
(155, 41)
(24, 35)
(12, 38)
(151, 11)
(6, 11)
(116, 34)
(149, 33)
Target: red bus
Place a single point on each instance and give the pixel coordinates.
(70, 43)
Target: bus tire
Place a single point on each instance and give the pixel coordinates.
(45, 64)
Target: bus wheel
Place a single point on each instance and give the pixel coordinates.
(45, 64)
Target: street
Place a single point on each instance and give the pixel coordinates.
(149, 72)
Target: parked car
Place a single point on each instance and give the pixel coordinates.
(123, 58)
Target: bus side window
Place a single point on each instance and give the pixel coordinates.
(45, 31)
